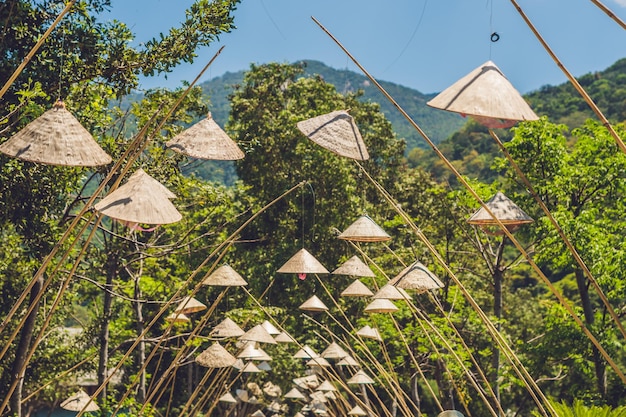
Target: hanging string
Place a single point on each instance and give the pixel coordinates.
(61, 64)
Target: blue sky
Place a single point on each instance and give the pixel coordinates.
(422, 44)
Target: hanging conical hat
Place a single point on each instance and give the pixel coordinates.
(249, 352)
(295, 394)
(337, 132)
(302, 263)
(56, 138)
(307, 382)
(369, 333)
(177, 318)
(318, 362)
(416, 277)
(450, 413)
(142, 199)
(348, 361)
(318, 397)
(357, 289)
(284, 337)
(78, 401)
(360, 378)
(326, 386)
(226, 328)
(313, 304)
(264, 366)
(216, 357)
(381, 305)
(227, 398)
(298, 414)
(225, 276)
(305, 353)
(334, 351)
(364, 229)
(271, 329)
(189, 305)
(354, 267)
(504, 209)
(257, 413)
(206, 140)
(485, 93)
(263, 356)
(258, 334)
(274, 407)
(391, 293)
(250, 368)
(238, 365)
(357, 411)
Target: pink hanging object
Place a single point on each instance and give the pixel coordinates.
(302, 276)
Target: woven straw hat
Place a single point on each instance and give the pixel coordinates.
(226, 328)
(416, 277)
(225, 276)
(326, 386)
(142, 199)
(189, 305)
(306, 352)
(56, 138)
(357, 411)
(369, 333)
(313, 304)
(486, 95)
(450, 413)
(271, 329)
(354, 267)
(348, 361)
(257, 413)
(78, 401)
(206, 140)
(318, 397)
(504, 209)
(250, 352)
(258, 334)
(364, 229)
(337, 132)
(215, 356)
(360, 378)
(302, 263)
(357, 289)
(263, 356)
(177, 318)
(307, 382)
(264, 366)
(334, 351)
(284, 337)
(391, 293)
(227, 398)
(318, 362)
(250, 368)
(295, 394)
(381, 305)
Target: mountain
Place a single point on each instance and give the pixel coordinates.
(436, 123)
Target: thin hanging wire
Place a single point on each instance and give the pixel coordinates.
(61, 64)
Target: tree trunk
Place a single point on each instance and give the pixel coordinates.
(498, 277)
(141, 348)
(19, 364)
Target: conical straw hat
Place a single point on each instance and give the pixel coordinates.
(337, 132)
(250, 352)
(313, 304)
(189, 305)
(357, 289)
(177, 318)
(381, 305)
(305, 353)
(206, 140)
(357, 411)
(271, 329)
(238, 365)
(319, 397)
(56, 138)
(295, 394)
(348, 361)
(360, 378)
(264, 366)
(307, 382)
(334, 351)
(250, 368)
(226, 328)
(215, 356)
(227, 398)
(326, 386)
(504, 209)
(485, 94)
(258, 334)
(330, 395)
(302, 263)
(391, 293)
(364, 229)
(369, 333)
(450, 413)
(141, 199)
(318, 362)
(225, 276)
(78, 401)
(284, 337)
(354, 267)
(416, 277)
(263, 356)
(257, 413)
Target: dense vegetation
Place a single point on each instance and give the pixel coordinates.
(101, 290)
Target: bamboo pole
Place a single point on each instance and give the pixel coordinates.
(609, 13)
